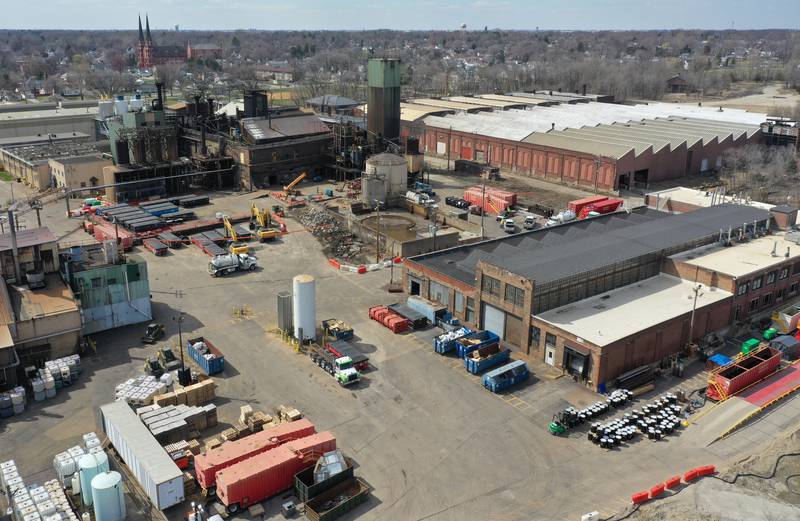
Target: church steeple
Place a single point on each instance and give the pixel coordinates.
(147, 21)
(141, 34)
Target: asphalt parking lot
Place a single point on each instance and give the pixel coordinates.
(427, 437)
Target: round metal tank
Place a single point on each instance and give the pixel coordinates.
(108, 497)
(89, 466)
(105, 108)
(304, 306)
(137, 103)
(374, 188)
(391, 166)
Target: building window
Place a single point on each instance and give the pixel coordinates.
(536, 335)
(550, 340)
(784, 273)
(470, 314)
(515, 295)
(742, 289)
(754, 304)
(779, 295)
(757, 283)
(767, 299)
(771, 277)
(793, 288)
(737, 312)
(459, 304)
(97, 282)
(490, 285)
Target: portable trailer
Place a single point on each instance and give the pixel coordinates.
(214, 460)
(506, 376)
(157, 247)
(340, 348)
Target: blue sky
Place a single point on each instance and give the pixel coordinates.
(402, 14)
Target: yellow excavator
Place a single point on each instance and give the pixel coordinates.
(289, 189)
(260, 222)
(236, 246)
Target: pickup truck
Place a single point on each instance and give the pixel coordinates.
(340, 368)
(486, 358)
(342, 348)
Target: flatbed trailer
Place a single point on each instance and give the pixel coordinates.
(157, 247)
(170, 239)
(341, 348)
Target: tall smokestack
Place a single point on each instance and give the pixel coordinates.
(383, 115)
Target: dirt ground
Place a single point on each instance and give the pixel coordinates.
(772, 98)
(772, 496)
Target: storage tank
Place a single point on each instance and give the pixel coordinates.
(105, 108)
(374, 187)
(304, 307)
(393, 168)
(137, 103)
(120, 105)
(91, 465)
(108, 497)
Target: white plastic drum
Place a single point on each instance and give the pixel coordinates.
(108, 497)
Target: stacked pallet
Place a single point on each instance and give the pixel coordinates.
(139, 391)
(389, 319)
(196, 394)
(254, 421)
(174, 423)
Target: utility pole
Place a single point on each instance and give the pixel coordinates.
(378, 232)
(697, 293)
(483, 204)
(597, 164)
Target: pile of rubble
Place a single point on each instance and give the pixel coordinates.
(337, 240)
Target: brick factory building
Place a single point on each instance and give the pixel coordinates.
(606, 295)
(598, 146)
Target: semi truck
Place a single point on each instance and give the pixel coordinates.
(342, 348)
(340, 367)
(230, 262)
(486, 358)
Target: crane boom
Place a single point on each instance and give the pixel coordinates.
(229, 228)
(288, 188)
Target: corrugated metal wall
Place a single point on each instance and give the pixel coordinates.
(113, 296)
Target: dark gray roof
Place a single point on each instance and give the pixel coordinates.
(332, 100)
(553, 253)
(784, 208)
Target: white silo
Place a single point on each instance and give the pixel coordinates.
(304, 307)
(89, 466)
(108, 497)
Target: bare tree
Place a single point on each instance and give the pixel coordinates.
(167, 74)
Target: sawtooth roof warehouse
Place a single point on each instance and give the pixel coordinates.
(606, 295)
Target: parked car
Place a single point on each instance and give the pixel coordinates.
(509, 226)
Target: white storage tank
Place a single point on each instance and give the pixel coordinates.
(120, 105)
(391, 166)
(89, 466)
(374, 188)
(108, 497)
(304, 307)
(136, 103)
(105, 108)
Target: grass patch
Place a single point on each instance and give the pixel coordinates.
(5, 176)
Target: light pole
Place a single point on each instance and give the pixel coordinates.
(483, 204)
(179, 319)
(697, 294)
(597, 164)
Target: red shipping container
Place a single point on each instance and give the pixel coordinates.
(745, 371)
(207, 465)
(252, 480)
(578, 204)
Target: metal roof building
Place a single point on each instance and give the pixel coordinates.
(455, 105)
(591, 144)
(488, 102)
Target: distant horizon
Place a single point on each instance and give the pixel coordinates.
(411, 15)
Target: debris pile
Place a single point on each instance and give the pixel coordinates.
(337, 240)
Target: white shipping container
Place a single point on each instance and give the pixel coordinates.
(155, 471)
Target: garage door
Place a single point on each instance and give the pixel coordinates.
(513, 330)
(466, 153)
(494, 320)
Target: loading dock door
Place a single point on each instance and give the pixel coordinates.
(514, 331)
(494, 320)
